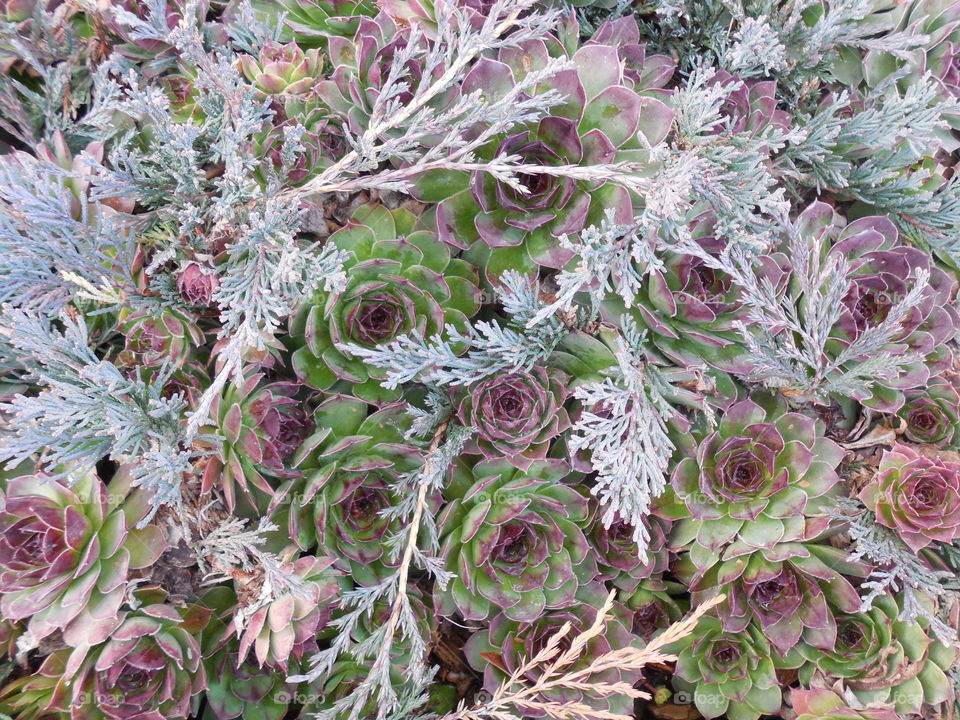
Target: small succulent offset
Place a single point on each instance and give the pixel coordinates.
(918, 497)
(515, 541)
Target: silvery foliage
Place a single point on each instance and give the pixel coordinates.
(87, 409)
(409, 130)
(787, 327)
(625, 427)
(751, 38)
(897, 569)
(40, 239)
(54, 53)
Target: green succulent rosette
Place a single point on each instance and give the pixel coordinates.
(932, 414)
(399, 280)
(655, 604)
(351, 467)
(241, 689)
(758, 480)
(286, 71)
(500, 649)
(727, 673)
(66, 551)
(884, 659)
(515, 541)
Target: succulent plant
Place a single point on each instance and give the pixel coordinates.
(824, 704)
(757, 480)
(262, 424)
(655, 604)
(360, 66)
(196, 285)
(66, 549)
(287, 626)
(916, 496)
(285, 71)
(932, 414)
(514, 540)
(727, 673)
(617, 554)
(883, 658)
(310, 23)
(153, 340)
(791, 592)
(399, 280)
(608, 104)
(154, 55)
(241, 689)
(689, 308)
(149, 668)
(516, 414)
(422, 13)
(501, 649)
(351, 466)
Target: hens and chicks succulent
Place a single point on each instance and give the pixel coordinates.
(109, 622)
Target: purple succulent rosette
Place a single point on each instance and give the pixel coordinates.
(757, 481)
(618, 556)
(66, 552)
(501, 649)
(196, 285)
(916, 496)
(515, 542)
(149, 669)
(262, 424)
(655, 604)
(609, 100)
(516, 414)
